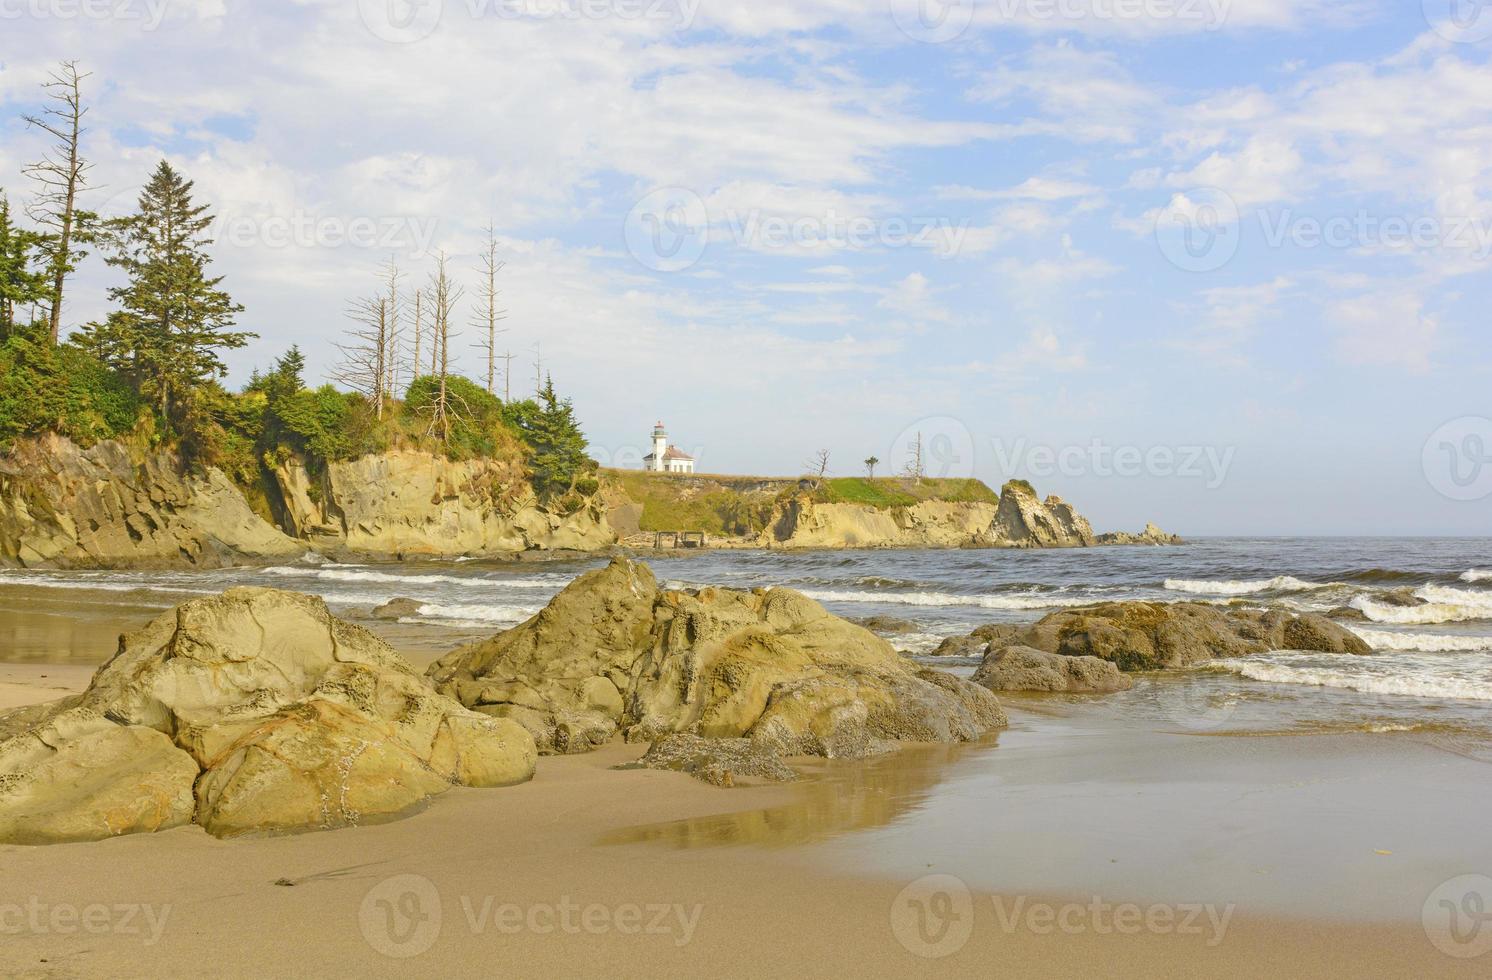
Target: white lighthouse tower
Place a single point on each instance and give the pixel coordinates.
(660, 447)
(666, 458)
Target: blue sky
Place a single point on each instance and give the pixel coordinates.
(1245, 243)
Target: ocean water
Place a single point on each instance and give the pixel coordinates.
(1431, 671)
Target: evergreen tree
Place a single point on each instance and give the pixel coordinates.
(20, 284)
(174, 320)
(559, 456)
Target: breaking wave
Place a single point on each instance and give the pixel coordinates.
(472, 614)
(1477, 576)
(1443, 605)
(354, 575)
(947, 599)
(1284, 583)
(1407, 684)
(1423, 642)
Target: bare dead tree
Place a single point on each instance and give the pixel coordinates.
(508, 378)
(487, 315)
(419, 332)
(366, 354)
(394, 315)
(62, 175)
(444, 296)
(916, 467)
(538, 368)
(818, 467)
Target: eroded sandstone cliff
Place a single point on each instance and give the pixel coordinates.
(405, 503)
(62, 506)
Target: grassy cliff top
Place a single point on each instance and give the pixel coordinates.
(739, 505)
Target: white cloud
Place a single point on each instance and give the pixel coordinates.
(1386, 328)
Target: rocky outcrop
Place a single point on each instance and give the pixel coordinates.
(1020, 520)
(1138, 636)
(62, 506)
(1152, 535)
(1025, 669)
(251, 712)
(1025, 521)
(613, 653)
(717, 761)
(405, 503)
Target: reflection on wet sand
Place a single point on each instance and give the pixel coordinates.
(834, 797)
(39, 626)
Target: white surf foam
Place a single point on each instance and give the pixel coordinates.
(1423, 642)
(1283, 583)
(1407, 684)
(947, 599)
(472, 613)
(354, 575)
(92, 585)
(1444, 605)
(1477, 576)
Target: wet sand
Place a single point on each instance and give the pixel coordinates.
(622, 873)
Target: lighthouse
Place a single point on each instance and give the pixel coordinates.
(665, 458)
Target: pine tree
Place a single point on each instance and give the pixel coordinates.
(174, 320)
(20, 283)
(559, 455)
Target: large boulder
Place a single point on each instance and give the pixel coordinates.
(1159, 636)
(272, 714)
(613, 654)
(1025, 669)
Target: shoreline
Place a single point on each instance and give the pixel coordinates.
(561, 875)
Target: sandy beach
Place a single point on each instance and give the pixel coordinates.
(592, 869)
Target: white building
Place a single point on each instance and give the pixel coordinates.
(665, 458)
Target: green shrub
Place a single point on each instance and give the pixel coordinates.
(60, 389)
(324, 424)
